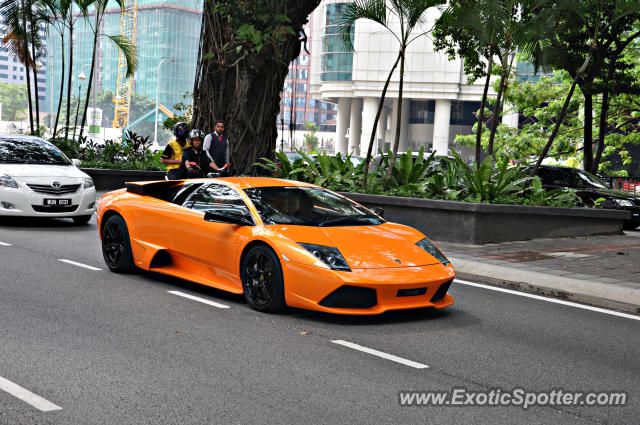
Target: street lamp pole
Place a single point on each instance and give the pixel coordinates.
(155, 133)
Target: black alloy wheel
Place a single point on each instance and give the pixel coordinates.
(116, 245)
(262, 280)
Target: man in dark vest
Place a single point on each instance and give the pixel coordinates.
(218, 147)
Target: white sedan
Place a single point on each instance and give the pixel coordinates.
(38, 180)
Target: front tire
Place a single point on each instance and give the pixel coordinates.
(116, 245)
(262, 280)
(82, 219)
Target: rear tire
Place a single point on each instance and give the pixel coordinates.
(116, 245)
(627, 225)
(82, 219)
(262, 280)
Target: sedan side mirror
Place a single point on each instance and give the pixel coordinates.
(378, 210)
(76, 162)
(228, 216)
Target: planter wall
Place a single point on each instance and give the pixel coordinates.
(106, 179)
(485, 223)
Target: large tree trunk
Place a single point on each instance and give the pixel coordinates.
(603, 117)
(243, 87)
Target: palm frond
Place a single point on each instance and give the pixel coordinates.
(128, 50)
(374, 10)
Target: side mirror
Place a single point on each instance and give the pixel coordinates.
(76, 162)
(228, 216)
(378, 210)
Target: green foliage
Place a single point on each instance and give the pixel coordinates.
(13, 98)
(132, 152)
(429, 177)
(310, 139)
(255, 25)
(184, 113)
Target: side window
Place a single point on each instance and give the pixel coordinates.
(218, 196)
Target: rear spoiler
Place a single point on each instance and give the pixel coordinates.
(155, 189)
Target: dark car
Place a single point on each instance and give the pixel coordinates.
(590, 188)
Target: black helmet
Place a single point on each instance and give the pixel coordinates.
(180, 130)
(196, 133)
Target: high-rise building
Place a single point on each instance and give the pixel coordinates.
(437, 102)
(166, 29)
(12, 71)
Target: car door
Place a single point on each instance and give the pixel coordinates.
(212, 245)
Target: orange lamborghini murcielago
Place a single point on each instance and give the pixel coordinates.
(280, 243)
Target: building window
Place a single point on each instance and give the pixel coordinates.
(422, 112)
(4, 76)
(4, 67)
(4, 58)
(303, 74)
(300, 116)
(337, 59)
(303, 60)
(301, 102)
(286, 101)
(463, 113)
(312, 103)
(301, 88)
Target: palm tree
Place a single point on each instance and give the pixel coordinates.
(123, 43)
(410, 13)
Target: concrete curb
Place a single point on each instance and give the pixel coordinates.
(582, 291)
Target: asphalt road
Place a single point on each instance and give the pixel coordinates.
(103, 348)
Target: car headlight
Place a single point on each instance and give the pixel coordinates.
(7, 181)
(623, 202)
(428, 246)
(329, 255)
(88, 182)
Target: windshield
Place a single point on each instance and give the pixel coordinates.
(308, 206)
(31, 151)
(582, 179)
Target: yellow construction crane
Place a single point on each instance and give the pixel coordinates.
(124, 90)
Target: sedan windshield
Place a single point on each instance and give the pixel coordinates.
(308, 206)
(583, 180)
(31, 151)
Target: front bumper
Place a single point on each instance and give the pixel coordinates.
(24, 202)
(367, 291)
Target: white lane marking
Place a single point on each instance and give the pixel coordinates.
(381, 354)
(551, 300)
(27, 396)
(4, 244)
(78, 264)
(202, 300)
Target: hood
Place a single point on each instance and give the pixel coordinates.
(367, 247)
(33, 170)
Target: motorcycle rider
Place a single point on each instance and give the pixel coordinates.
(196, 162)
(172, 155)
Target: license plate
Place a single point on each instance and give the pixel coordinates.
(411, 292)
(57, 202)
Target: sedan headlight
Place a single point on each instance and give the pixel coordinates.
(329, 255)
(428, 246)
(7, 181)
(623, 202)
(88, 182)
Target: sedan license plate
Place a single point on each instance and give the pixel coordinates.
(57, 202)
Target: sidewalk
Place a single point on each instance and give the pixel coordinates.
(599, 270)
